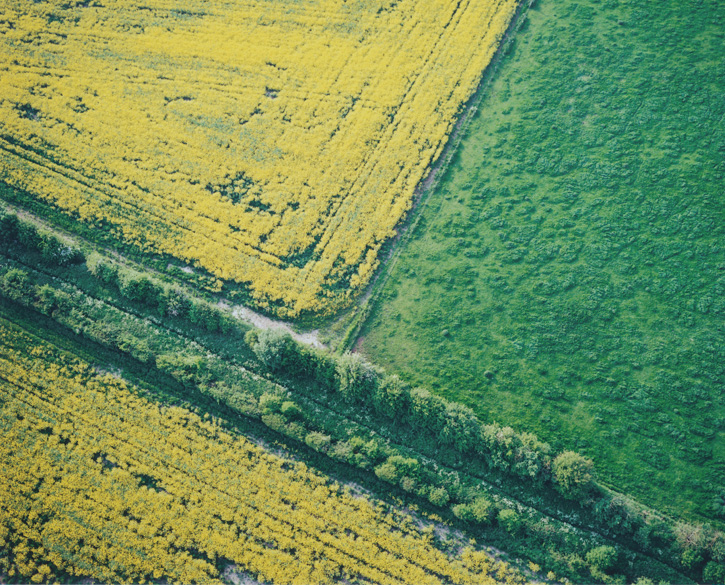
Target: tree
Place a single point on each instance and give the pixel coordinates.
(138, 288)
(391, 398)
(427, 410)
(602, 558)
(460, 427)
(175, 303)
(9, 227)
(271, 348)
(15, 284)
(510, 520)
(572, 473)
(357, 379)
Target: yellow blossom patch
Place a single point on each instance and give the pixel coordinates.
(273, 143)
(96, 481)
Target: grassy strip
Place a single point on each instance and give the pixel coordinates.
(390, 253)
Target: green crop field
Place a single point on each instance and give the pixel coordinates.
(567, 276)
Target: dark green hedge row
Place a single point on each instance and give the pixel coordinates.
(696, 550)
(134, 286)
(452, 424)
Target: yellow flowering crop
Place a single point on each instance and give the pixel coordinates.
(98, 482)
(275, 144)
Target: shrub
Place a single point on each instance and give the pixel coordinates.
(388, 472)
(138, 288)
(714, 573)
(102, 270)
(572, 473)
(427, 410)
(510, 520)
(318, 441)
(357, 379)
(480, 510)
(271, 347)
(602, 558)
(270, 403)
(439, 496)
(9, 227)
(290, 410)
(460, 427)
(206, 315)
(391, 397)
(175, 303)
(15, 284)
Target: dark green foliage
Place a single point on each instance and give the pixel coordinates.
(567, 276)
(519, 453)
(15, 284)
(104, 271)
(138, 288)
(427, 410)
(207, 316)
(460, 427)
(275, 350)
(292, 414)
(290, 410)
(271, 402)
(401, 470)
(714, 573)
(9, 228)
(391, 397)
(50, 250)
(186, 368)
(175, 303)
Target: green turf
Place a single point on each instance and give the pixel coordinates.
(568, 275)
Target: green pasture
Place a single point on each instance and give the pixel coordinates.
(567, 276)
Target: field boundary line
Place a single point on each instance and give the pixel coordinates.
(438, 168)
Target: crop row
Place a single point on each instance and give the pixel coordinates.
(103, 483)
(273, 145)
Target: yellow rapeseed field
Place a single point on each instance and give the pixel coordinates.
(96, 481)
(273, 143)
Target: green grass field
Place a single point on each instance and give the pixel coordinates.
(567, 276)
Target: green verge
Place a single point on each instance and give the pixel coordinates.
(567, 276)
(507, 486)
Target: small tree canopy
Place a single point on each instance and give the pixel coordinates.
(602, 558)
(572, 473)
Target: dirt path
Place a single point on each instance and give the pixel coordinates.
(240, 312)
(262, 322)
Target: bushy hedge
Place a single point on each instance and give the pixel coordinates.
(522, 455)
(452, 424)
(51, 249)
